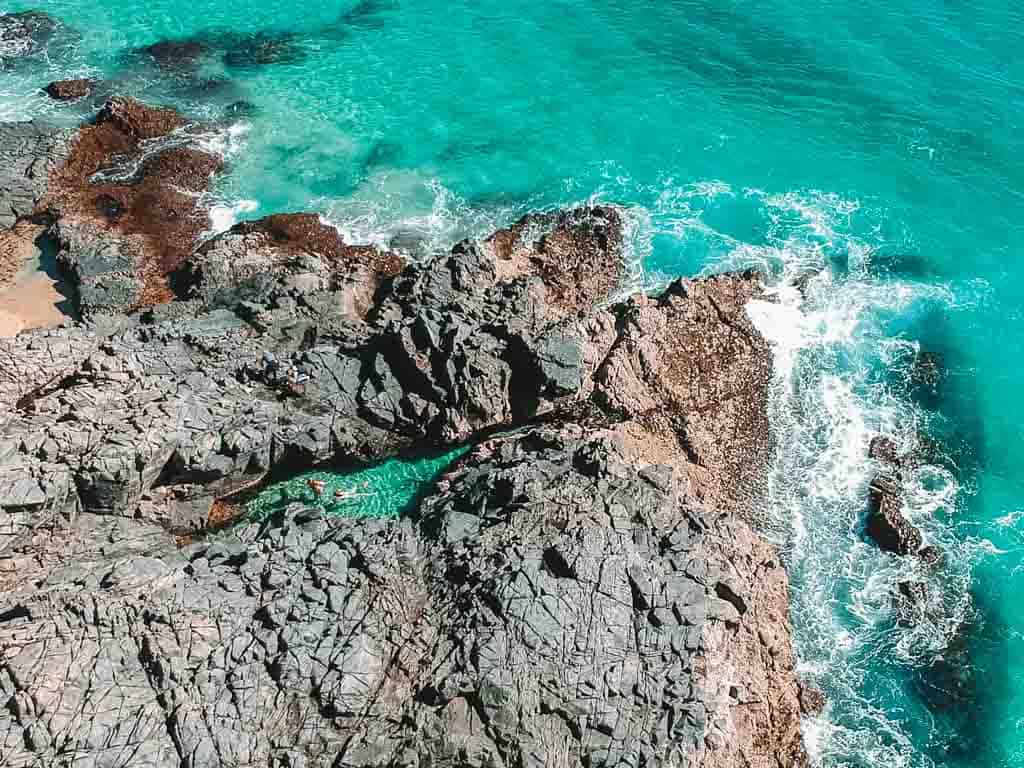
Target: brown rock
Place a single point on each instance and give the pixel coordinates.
(70, 90)
(577, 253)
(296, 233)
(884, 449)
(660, 374)
(147, 207)
(812, 701)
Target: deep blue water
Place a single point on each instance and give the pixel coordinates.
(878, 142)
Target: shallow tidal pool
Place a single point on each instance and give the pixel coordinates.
(387, 489)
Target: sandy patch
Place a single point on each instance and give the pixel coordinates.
(29, 297)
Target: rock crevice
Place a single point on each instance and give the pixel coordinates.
(583, 587)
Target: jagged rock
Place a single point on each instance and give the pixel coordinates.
(566, 594)
(126, 205)
(29, 153)
(294, 254)
(886, 523)
(576, 253)
(70, 90)
(656, 373)
(218, 397)
(812, 701)
(884, 449)
(503, 625)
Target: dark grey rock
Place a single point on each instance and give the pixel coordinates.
(566, 594)
(309, 640)
(28, 153)
(887, 524)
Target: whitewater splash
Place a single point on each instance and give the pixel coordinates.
(834, 388)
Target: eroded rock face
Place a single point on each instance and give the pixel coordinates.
(126, 205)
(587, 591)
(552, 604)
(286, 254)
(29, 153)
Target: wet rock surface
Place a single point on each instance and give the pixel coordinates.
(70, 90)
(887, 524)
(126, 205)
(587, 590)
(29, 35)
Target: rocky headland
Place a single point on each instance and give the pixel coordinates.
(584, 587)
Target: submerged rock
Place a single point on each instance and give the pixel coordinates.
(928, 371)
(262, 49)
(26, 34)
(911, 602)
(240, 109)
(182, 55)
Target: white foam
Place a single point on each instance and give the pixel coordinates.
(827, 401)
(412, 212)
(223, 216)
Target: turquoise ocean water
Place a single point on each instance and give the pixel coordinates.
(878, 144)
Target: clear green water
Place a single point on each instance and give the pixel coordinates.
(878, 141)
(387, 489)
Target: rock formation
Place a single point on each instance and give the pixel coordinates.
(126, 205)
(29, 35)
(295, 251)
(887, 524)
(29, 153)
(583, 587)
(70, 90)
